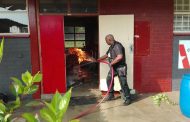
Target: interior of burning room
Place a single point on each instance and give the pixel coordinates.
(81, 48)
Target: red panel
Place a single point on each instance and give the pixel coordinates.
(142, 48)
(142, 38)
(52, 50)
(35, 59)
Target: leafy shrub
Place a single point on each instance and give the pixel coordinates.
(53, 111)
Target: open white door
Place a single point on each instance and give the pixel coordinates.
(122, 27)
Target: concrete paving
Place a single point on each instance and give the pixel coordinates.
(141, 110)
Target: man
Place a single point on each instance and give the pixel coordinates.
(116, 56)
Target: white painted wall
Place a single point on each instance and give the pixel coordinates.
(122, 27)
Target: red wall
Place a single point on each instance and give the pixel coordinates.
(155, 73)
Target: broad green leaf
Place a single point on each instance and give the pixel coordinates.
(13, 90)
(50, 107)
(37, 77)
(47, 115)
(33, 103)
(55, 101)
(14, 104)
(17, 81)
(1, 49)
(62, 104)
(27, 78)
(7, 117)
(26, 89)
(2, 108)
(33, 89)
(17, 102)
(18, 88)
(29, 117)
(1, 117)
(75, 120)
(65, 101)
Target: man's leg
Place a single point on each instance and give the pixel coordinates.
(108, 80)
(124, 86)
(125, 89)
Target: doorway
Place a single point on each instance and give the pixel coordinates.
(70, 35)
(81, 48)
(122, 27)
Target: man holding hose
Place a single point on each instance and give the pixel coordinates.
(116, 57)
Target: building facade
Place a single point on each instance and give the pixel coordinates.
(39, 34)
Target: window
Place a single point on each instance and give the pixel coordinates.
(13, 17)
(69, 6)
(75, 36)
(182, 16)
(83, 6)
(53, 6)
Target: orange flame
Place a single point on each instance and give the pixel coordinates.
(82, 56)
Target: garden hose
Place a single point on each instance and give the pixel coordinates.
(93, 107)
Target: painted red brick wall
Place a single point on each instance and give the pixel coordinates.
(156, 68)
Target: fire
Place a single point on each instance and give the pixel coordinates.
(82, 56)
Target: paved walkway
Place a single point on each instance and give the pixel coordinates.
(141, 110)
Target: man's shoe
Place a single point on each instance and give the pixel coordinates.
(127, 102)
(109, 97)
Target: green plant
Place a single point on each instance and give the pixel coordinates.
(159, 98)
(27, 85)
(19, 89)
(1, 49)
(4, 113)
(53, 111)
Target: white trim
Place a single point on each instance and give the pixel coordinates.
(14, 34)
(181, 32)
(48, 96)
(178, 12)
(15, 11)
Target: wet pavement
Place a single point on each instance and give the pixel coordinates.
(141, 110)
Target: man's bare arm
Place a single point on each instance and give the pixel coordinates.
(116, 60)
(102, 57)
